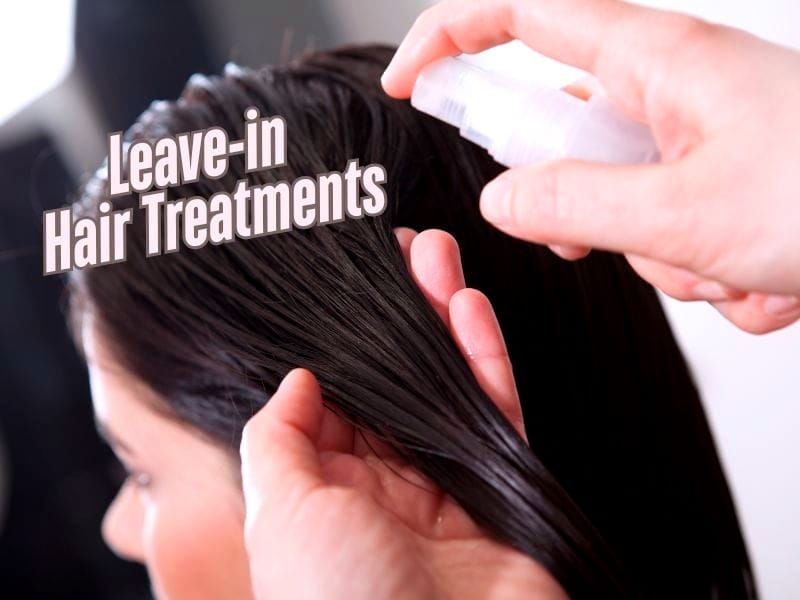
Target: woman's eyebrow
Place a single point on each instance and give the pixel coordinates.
(111, 439)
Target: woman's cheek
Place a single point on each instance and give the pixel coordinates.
(195, 549)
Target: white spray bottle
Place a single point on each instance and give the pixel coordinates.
(522, 123)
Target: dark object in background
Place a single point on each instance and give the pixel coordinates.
(132, 52)
(59, 473)
(136, 51)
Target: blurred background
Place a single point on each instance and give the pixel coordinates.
(77, 69)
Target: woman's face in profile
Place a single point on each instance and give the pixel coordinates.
(180, 511)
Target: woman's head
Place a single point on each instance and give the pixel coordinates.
(195, 342)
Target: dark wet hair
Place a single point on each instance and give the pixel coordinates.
(620, 493)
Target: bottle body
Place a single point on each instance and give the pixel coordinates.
(524, 123)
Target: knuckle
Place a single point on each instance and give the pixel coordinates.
(677, 229)
(674, 282)
(677, 289)
(679, 46)
(552, 202)
(436, 16)
(424, 18)
(687, 42)
(686, 290)
(686, 28)
(675, 32)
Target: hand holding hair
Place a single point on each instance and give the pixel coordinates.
(332, 513)
(719, 218)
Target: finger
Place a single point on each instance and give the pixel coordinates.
(680, 283)
(280, 460)
(760, 313)
(477, 332)
(436, 268)
(405, 236)
(570, 252)
(780, 306)
(603, 37)
(632, 209)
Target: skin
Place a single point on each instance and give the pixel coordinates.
(180, 512)
(717, 219)
(315, 511)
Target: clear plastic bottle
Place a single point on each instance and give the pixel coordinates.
(523, 123)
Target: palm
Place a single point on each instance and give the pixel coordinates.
(351, 519)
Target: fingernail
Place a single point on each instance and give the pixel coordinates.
(496, 201)
(711, 290)
(777, 306)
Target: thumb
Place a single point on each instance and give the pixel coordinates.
(280, 460)
(628, 209)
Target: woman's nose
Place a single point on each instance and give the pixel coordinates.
(123, 525)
